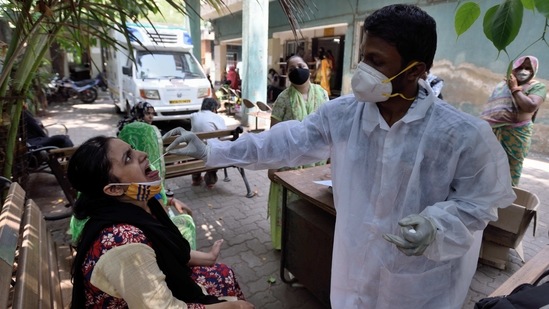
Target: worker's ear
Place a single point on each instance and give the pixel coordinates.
(417, 71)
(113, 190)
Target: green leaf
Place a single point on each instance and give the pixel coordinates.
(543, 7)
(271, 280)
(487, 22)
(505, 23)
(528, 4)
(466, 15)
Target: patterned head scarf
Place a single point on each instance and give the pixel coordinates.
(533, 60)
(139, 110)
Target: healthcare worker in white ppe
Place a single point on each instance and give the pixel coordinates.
(415, 181)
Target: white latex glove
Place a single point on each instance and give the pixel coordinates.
(418, 232)
(195, 148)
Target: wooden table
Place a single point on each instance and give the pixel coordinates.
(307, 230)
(301, 183)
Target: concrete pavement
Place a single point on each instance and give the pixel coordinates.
(224, 212)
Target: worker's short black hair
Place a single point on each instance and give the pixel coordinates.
(410, 29)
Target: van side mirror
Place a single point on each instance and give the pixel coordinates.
(127, 71)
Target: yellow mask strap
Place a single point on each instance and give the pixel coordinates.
(400, 95)
(404, 70)
(388, 80)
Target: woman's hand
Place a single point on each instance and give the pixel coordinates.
(181, 207)
(512, 81)
(242, 304)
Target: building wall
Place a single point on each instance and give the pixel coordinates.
(470, 65)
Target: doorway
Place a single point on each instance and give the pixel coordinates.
(336, 46)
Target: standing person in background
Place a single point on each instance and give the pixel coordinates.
(207, 120)
(233, 78)
(333, 73)
(273, 88)
(324, 71)
(294, 103)
(331, 58)
(511, 111)
(415, 181)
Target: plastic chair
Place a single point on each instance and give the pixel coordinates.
(262, 111)
(264, 107)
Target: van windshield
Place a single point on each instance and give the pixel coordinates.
(167, 64)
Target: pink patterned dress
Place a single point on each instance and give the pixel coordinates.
(219, 280)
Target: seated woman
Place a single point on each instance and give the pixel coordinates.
(142, 135)
(142, 111)
(130, 254)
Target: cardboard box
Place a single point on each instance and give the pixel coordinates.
(493, 254)
(513, 221)
(508, 231)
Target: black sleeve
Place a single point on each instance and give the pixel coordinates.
(33, 127)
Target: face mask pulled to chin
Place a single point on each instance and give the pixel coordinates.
(370, 85)
(141, 191)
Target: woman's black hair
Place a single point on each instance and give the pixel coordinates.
(293, 57)
(410, 29)
(89, 171)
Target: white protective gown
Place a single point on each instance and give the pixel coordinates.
(436, 161)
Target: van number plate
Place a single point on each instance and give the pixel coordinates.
(180, 101)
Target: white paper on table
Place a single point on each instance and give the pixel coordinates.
(327, 183)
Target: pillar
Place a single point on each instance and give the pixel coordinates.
(255, 33)
(220, 61)
(194, 24)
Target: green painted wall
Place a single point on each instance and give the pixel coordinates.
(469, 65)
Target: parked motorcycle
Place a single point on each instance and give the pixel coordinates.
(53, 90)
(62, 89)
(85, 90)
(101, 82)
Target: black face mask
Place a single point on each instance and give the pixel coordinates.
(299, 76)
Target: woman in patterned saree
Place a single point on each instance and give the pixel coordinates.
(294, 103)
(511, 111)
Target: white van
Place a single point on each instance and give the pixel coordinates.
(166, 74)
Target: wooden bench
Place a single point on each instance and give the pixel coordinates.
(528, 273)
(29, 269)
(176, 165)
(58, 161)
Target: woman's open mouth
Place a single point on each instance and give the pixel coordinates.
(151, 175)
